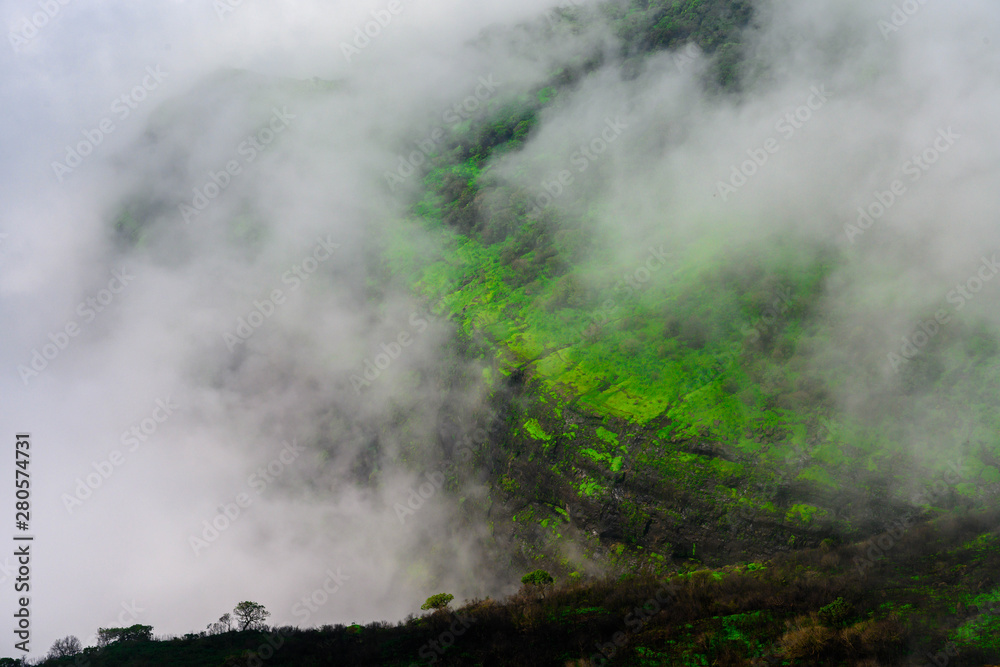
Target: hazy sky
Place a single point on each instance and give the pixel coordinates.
(209, 367)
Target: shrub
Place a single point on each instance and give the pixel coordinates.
(805, 639)
(537, 578)
(439, 601)
(884, 638)
(835, 613)
(133, 633)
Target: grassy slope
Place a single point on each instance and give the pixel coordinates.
(696, 383)
(673, 422)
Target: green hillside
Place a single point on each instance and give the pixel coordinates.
(671, 417)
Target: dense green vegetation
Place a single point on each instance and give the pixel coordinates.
(676, 400)
(667, 416)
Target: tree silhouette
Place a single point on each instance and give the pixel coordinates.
(224, 624)
(250, 615)
(133, 633)
(65, 646)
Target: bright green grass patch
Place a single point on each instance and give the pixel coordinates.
(820, 475)
(613, 462)
(552, 365)
(983, 630)
(535, 430)
(607, 436)
(590, 488)
(803, 513)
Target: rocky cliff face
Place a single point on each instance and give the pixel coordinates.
(575, 492)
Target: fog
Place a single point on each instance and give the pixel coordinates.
(203, 364)
(862, 137)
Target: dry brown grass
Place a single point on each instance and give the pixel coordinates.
(874, 637)
(806, 638)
